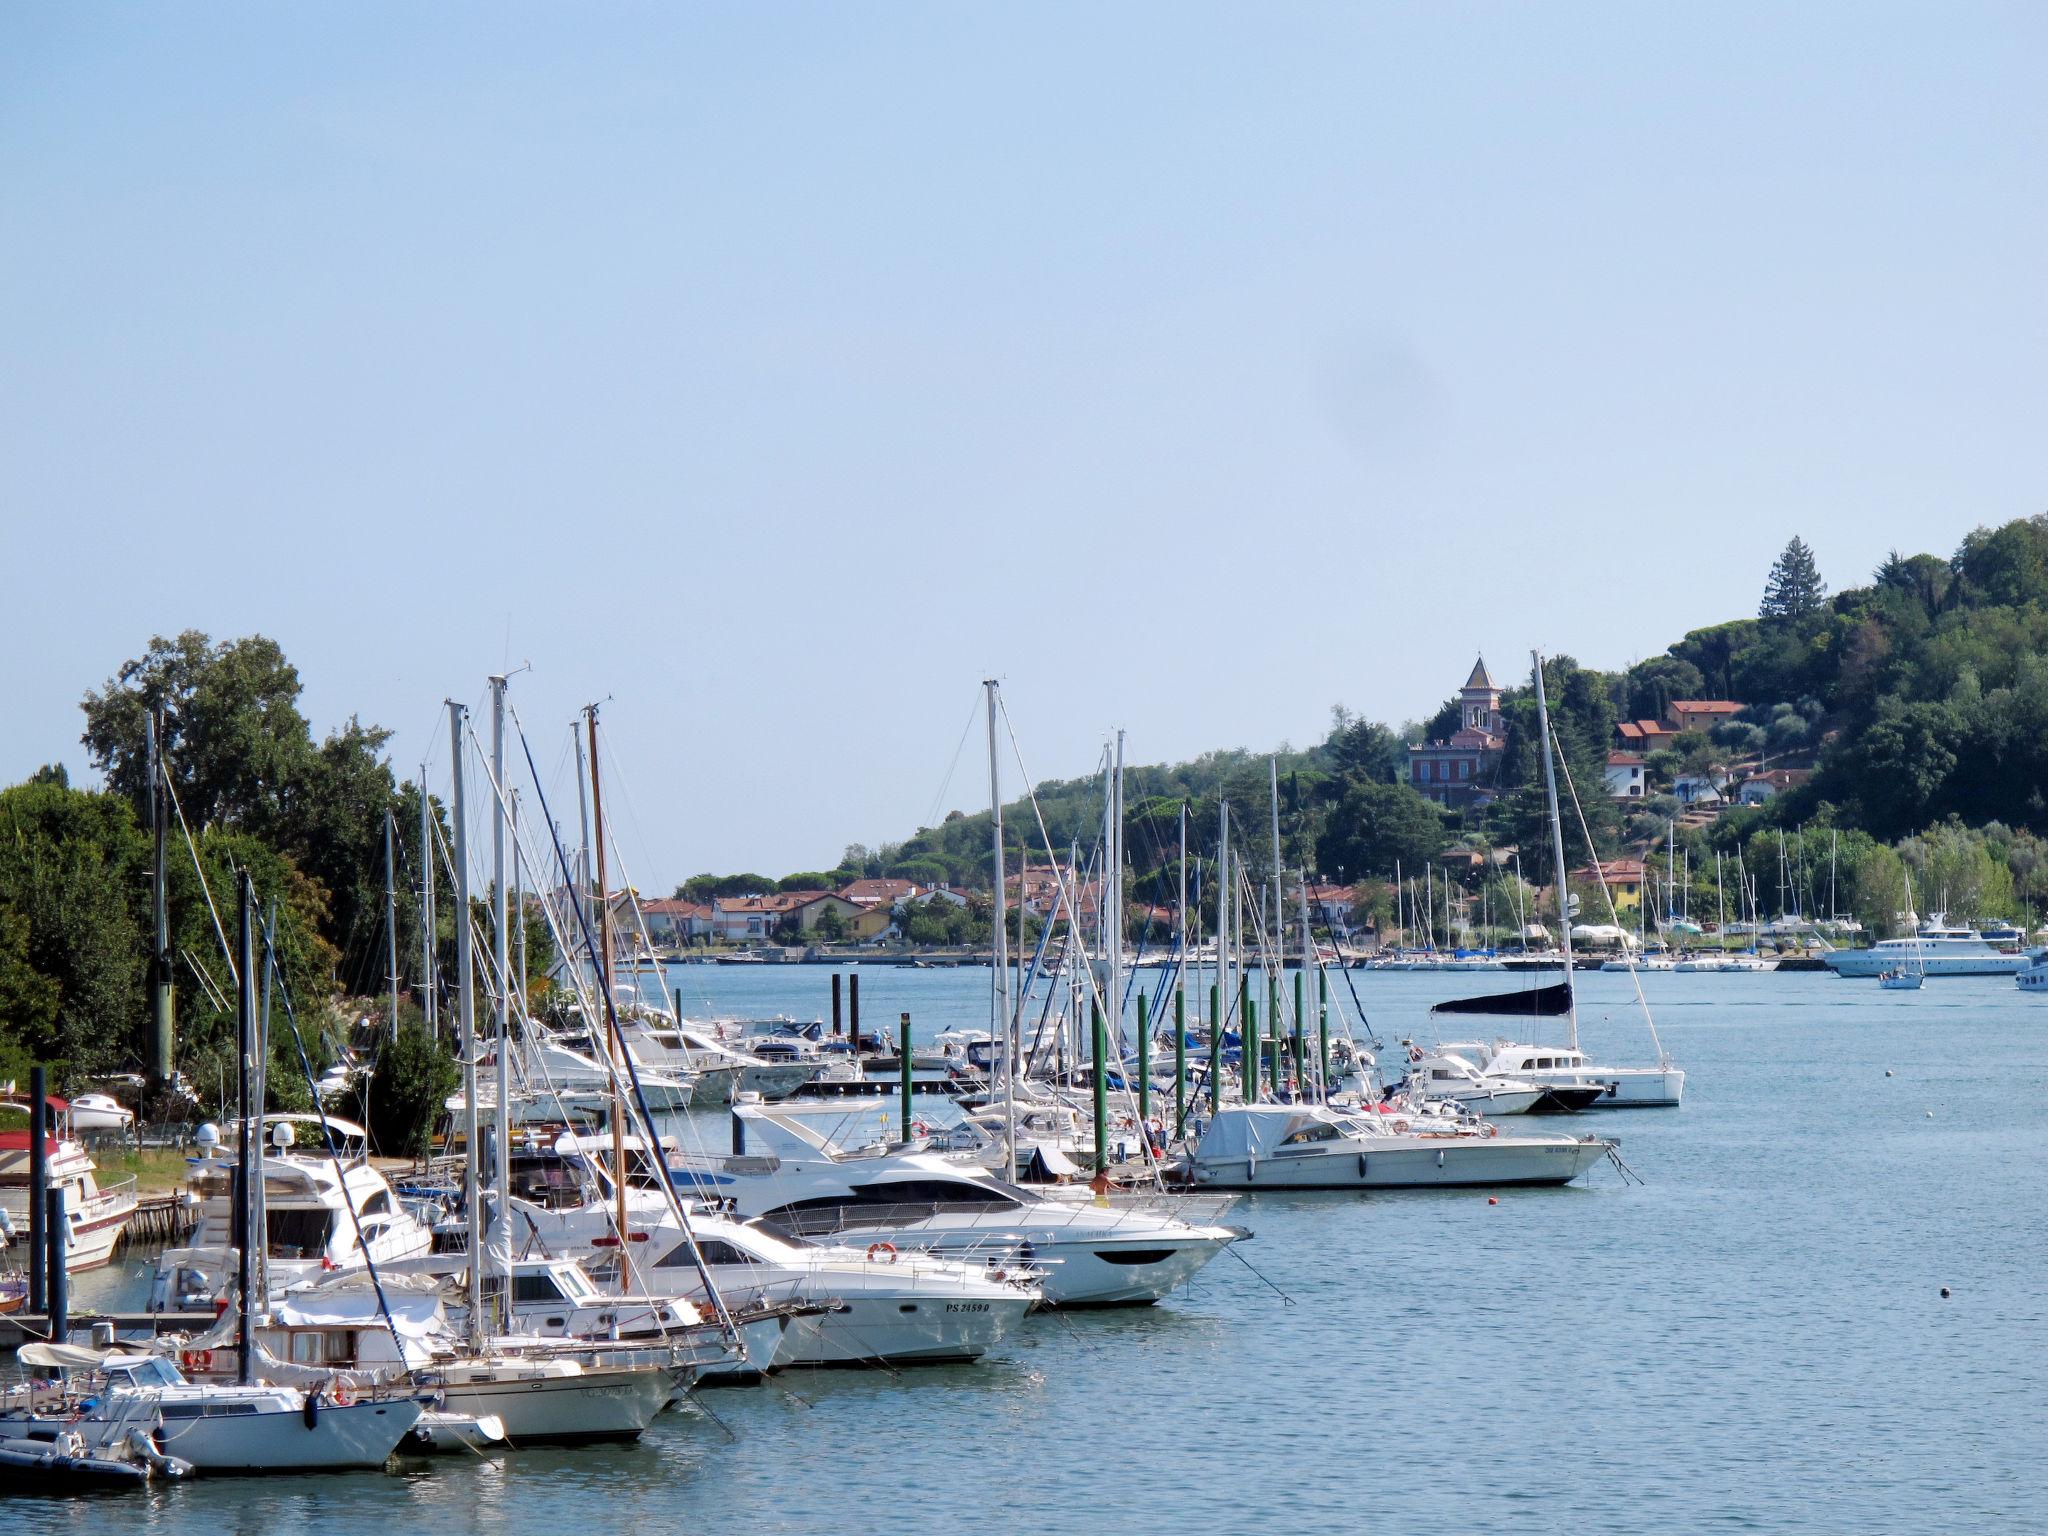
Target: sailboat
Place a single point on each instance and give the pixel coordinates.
(1660, 1086)
(1909, 976)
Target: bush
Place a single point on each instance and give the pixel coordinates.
(409, 1091)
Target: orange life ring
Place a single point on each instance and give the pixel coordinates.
(341, 1397)
(1492, 1129)
(882, 1250)
(919, 1129)
(1400, 1127)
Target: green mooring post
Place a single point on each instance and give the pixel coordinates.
(1144, 1057)
(1215, 1047)
(1300, 1063)
(903, 1067)
(1254, 1058)
(1180, 1063)
(1323, 1037)
(1273, 1024)
(1099, 1047)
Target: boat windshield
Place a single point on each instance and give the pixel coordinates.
(146, 1371)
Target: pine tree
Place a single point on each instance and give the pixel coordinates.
(1794, 589)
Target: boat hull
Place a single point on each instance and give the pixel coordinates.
(562, 1410)
(357, 1435)
(924, 1330)
(1418, 1163)
(1864, 963)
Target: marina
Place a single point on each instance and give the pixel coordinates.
(1665, 1306)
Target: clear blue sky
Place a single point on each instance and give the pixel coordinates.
(780, 371)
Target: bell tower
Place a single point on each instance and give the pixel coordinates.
(1481, 699)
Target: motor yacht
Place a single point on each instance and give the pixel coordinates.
(1315, 1146)
(800, 1181)
(1444, 1076)
(1937, 949)
(1567, 1072)
(95, 1214)
(2035, 977)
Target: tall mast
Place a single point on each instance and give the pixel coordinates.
(615, 1039)
(583, 818)
(465, 1003)
(999, 964)
(250, 1167)
(1222, 1008)
(1564, 919)
(1279, 901)
(501, 956)
(519, 897)
(429, 982)
(391, 909)
(1116, 909)
(162, 1014)
(1180, 908)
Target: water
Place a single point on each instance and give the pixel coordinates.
(1755, 1340)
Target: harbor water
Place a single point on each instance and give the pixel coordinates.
(1754, 1339)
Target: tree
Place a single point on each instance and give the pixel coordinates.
(1376, 824)
(1794, 589)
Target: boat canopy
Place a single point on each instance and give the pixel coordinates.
(1258, 1130)
(1551, 1002)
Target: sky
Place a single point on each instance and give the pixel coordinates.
(775, 373)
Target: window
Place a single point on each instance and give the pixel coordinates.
(378, 1204)
(539, 1288)
(716, 1250)
(298, 1234)
(1321, 1131)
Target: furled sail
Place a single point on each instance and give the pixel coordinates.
(1551, 1002)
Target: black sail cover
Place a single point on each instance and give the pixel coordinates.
(1551, 1002)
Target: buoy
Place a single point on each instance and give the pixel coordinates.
(1887, 1071)
(1944, 1293)
(1495, 1200)
(1930, 1114)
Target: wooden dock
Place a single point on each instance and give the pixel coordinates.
(161, 1219)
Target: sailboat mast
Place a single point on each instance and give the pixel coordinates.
(999, 971)
(1221, 1010)
(162, 1014)
(391, 909)
(428, 981)
(465, 993)
(501, 965)
(1116, 903)
(1564, 919)
(1279, 899)
(615, 1041)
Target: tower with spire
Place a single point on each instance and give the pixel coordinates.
(1461, 769)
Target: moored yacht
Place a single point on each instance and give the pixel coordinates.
(1936, 949)
(95, 1215)
(1316, 1146)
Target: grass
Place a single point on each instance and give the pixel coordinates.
(157, 1170)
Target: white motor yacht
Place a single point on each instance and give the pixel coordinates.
(2035, 977)
(1446, 1077)
(723, 1071)
(1094, 1255)
(95, 1215)
(1314, 1146)
(878, 1305)
(553, 1063)
(1564, 1068)
(1937, 949)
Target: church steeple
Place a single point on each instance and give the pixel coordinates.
(1480, 698)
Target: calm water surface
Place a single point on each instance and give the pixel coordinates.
(1755, 1340)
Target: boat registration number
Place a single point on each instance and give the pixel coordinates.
(966, 1306)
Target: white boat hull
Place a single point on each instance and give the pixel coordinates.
(1412, 1163)
(923, 1330)
(1863, 963)
(358, 1435)
(1641, 1088)
(599, 1404)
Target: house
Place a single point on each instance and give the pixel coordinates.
(1623, 879)
(1037, 888)
(874, 925)
(673, 923)
(1645, 735)
(944, 893)
(1697, 789)
(887, 894)
(1700, 714)
(1332, 905)
(740, 919)
(1459, 770)
(1625, 775)
(1760, 787)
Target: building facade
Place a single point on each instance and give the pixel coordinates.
(1460, 769)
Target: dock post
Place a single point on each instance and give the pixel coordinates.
(853, 1011)
(1180, 1062)
(1144, 1057)
(1098, 1045)
(838, 1027)
(1300, 1054)
(1254, 1057)
(54, 1234)
(903, 1068)
(1323, 1035)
